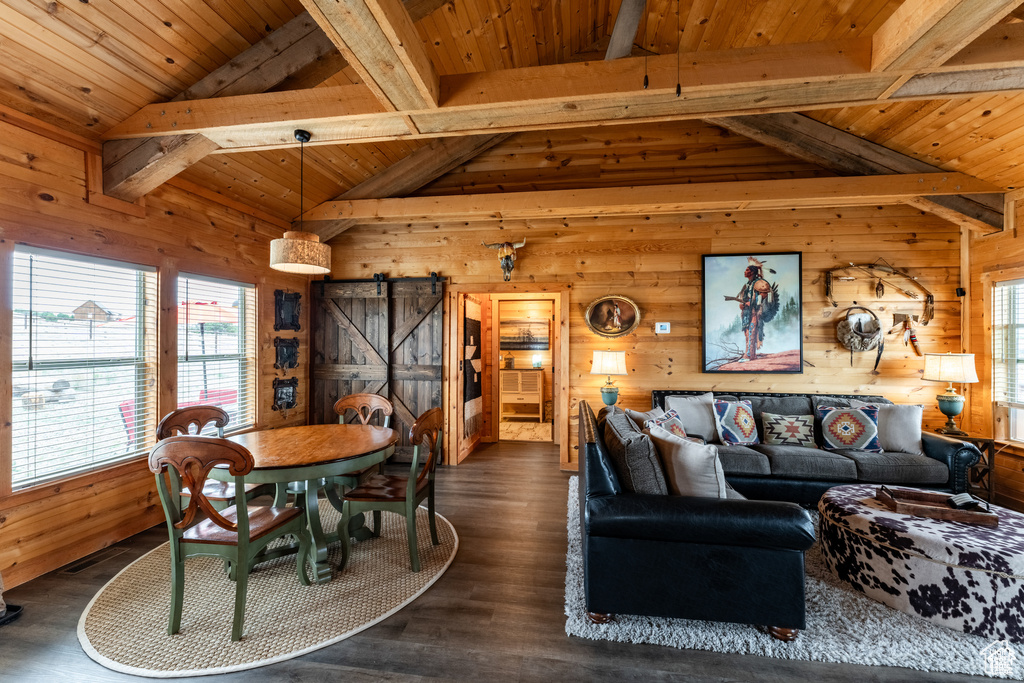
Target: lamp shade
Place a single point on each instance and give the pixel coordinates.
(609, 363)
(300, 252)
(950, 367)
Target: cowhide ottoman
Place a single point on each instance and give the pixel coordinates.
(963, 576)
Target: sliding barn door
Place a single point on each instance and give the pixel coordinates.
(386, 342)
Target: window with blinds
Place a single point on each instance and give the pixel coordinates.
(84, 363)
(1008, 352)
(217, 348)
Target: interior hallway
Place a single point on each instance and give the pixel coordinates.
(496, 615)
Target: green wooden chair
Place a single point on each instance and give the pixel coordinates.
(400, 494)
(221, 494)
(364, 406)
(236, 534)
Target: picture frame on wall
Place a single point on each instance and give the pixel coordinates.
(752, 313)
(524, 334)
(612, 316)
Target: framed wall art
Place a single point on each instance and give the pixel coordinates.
(524, 334)
(287, 306)
(752, 313)
(612, 316)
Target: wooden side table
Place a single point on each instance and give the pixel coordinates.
(979, 478)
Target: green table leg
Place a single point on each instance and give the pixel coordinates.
(357, 525)
(318, 553)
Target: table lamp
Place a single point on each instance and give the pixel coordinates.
(609, 363)
(950, 367)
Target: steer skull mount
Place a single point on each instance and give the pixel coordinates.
(506, 255)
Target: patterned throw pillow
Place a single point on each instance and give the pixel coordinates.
(849, 428)
(788, 430)
(736, 424)
(669, 421)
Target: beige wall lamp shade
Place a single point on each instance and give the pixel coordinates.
(300, 252)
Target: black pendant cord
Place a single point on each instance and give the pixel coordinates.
(679, 41)
(303, 136)
(644, 45)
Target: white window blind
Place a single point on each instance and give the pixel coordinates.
(1008, 343)
(217, 347)
(84, 364)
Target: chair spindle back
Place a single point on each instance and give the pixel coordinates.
(426, 428)
(189, 459)
(364, 405)
(178, 421)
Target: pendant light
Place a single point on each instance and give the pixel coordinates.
(300, 252)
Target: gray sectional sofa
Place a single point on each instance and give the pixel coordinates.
(801, 474)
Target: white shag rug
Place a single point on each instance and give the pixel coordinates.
(843, 626)
(124, 628)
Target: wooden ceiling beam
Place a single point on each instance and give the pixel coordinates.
(627, 21)
(296, 56)
(655, 199)
(764, 79)
(407, 175)
(849, 155)
(380, 42)
(925, 33)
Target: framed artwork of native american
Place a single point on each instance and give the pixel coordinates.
(752, 313)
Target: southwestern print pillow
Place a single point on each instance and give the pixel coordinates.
(669, 421)
(788, 430)
(736, 424)
(849, 428)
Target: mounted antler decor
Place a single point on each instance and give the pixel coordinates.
(884, 275)
(506, 255)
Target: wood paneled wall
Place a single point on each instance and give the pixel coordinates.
(656, 260)
(529, 310)
(993, 258)
(43, 202)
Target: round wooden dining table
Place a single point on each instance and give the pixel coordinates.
(309, 455)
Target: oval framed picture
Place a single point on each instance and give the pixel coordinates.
(612, 316)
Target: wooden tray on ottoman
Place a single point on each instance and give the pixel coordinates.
(929, 504)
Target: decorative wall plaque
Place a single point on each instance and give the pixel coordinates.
(286, 310)
(286, 393)
(287, 353)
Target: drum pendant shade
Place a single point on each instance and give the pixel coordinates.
(300, 252)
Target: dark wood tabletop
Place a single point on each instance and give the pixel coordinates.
(314, 444)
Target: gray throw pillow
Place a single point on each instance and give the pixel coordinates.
(691, 469)
(639, 417)
(634, 456)
(899, 426)
(697, 414)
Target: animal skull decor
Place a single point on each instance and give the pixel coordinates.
(506, 255)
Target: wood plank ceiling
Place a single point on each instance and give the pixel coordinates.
(87, 65)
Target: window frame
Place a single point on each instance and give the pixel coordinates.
(246, 330)
(140, 440)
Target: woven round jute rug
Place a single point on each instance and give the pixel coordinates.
(124, 627)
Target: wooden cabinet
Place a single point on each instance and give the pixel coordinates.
(522, 388)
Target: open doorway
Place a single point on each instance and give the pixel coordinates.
(506, 367)
(526, 407)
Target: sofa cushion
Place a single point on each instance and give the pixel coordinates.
(855, 428)
(669, 421)
(633, 455)
(743, 460)
(640, 417)
(787, 430)
(777, 405)
(697, 414)
(691, 469)
(897, 468)
(899, 426)
(736, 424)
(800, 462)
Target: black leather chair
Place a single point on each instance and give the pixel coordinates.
(695, 558)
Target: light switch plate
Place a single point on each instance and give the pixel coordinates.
(662, 328)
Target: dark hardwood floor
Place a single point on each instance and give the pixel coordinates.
(496, 615)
